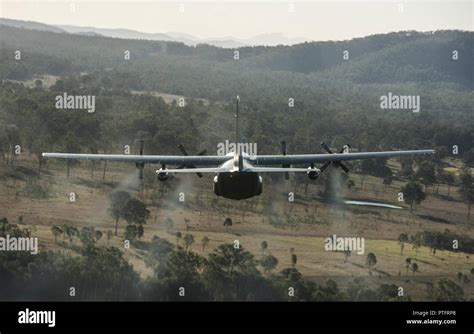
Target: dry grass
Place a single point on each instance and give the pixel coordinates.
(380, 227)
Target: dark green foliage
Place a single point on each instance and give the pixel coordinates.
(229, 273)
(413, 193)
(446, 290)
(135, 212)
(268, 262)
(376, 167)
(99, 274)
(209, 72)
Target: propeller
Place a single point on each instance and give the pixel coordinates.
(140, 165)
(313, 173)
(162, 174)
(185, 153)
(336, 164)
(283, 152)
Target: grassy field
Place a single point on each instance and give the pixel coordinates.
(265, 218)
(47, 81)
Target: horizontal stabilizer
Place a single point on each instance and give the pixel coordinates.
(278, 169)
(194, 170)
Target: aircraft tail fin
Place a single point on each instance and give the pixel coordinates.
(237, 134)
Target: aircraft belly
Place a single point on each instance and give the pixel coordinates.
(237, 185)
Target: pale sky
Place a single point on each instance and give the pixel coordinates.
(312, 20)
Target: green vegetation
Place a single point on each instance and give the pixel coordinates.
(413, 194)
(336, 101)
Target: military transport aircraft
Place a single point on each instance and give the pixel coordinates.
(237, 173)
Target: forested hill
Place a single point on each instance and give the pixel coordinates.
(394, 57)
(334, 99)
(391, 58)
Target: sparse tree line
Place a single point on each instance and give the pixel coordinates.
(428, 173)
(435, 240)
(227, 273)
(32, 122)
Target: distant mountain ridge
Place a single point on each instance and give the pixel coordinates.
(30, 25)
(272, 39)
(394, 58)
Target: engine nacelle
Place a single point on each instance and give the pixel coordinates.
(162, 174)
(313, 173)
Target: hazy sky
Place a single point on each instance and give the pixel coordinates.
(312, 20)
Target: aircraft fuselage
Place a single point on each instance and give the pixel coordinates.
(237, 185)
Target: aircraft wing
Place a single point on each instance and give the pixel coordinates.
(189, 160)
(315, 158)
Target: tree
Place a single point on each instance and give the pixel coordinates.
(140, 231)
(204, 242)
(467, 189)
(131, 232)
(57, 231)
(135, 212)
(426, 173)
(263, 247)
(109, 236)
(227, 224)
(158, 250)
(371, 260)
(69, 232)
(231, 260)
(388, 180)
(468, 157)
(98, 235)
(407, 166)
(402, 238)
(268, 262)
(376, 167)
(4, 223)
(87, 236)
(347, 253)
(417, 242)
(350, 184)
(180, 269)
(413, 194)
(407, 263)
(294, 259)
(414, 268)
(445, 290)
(179, 235)
(168, 223)
(188, 241)
(118, 200)
(447, 178)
